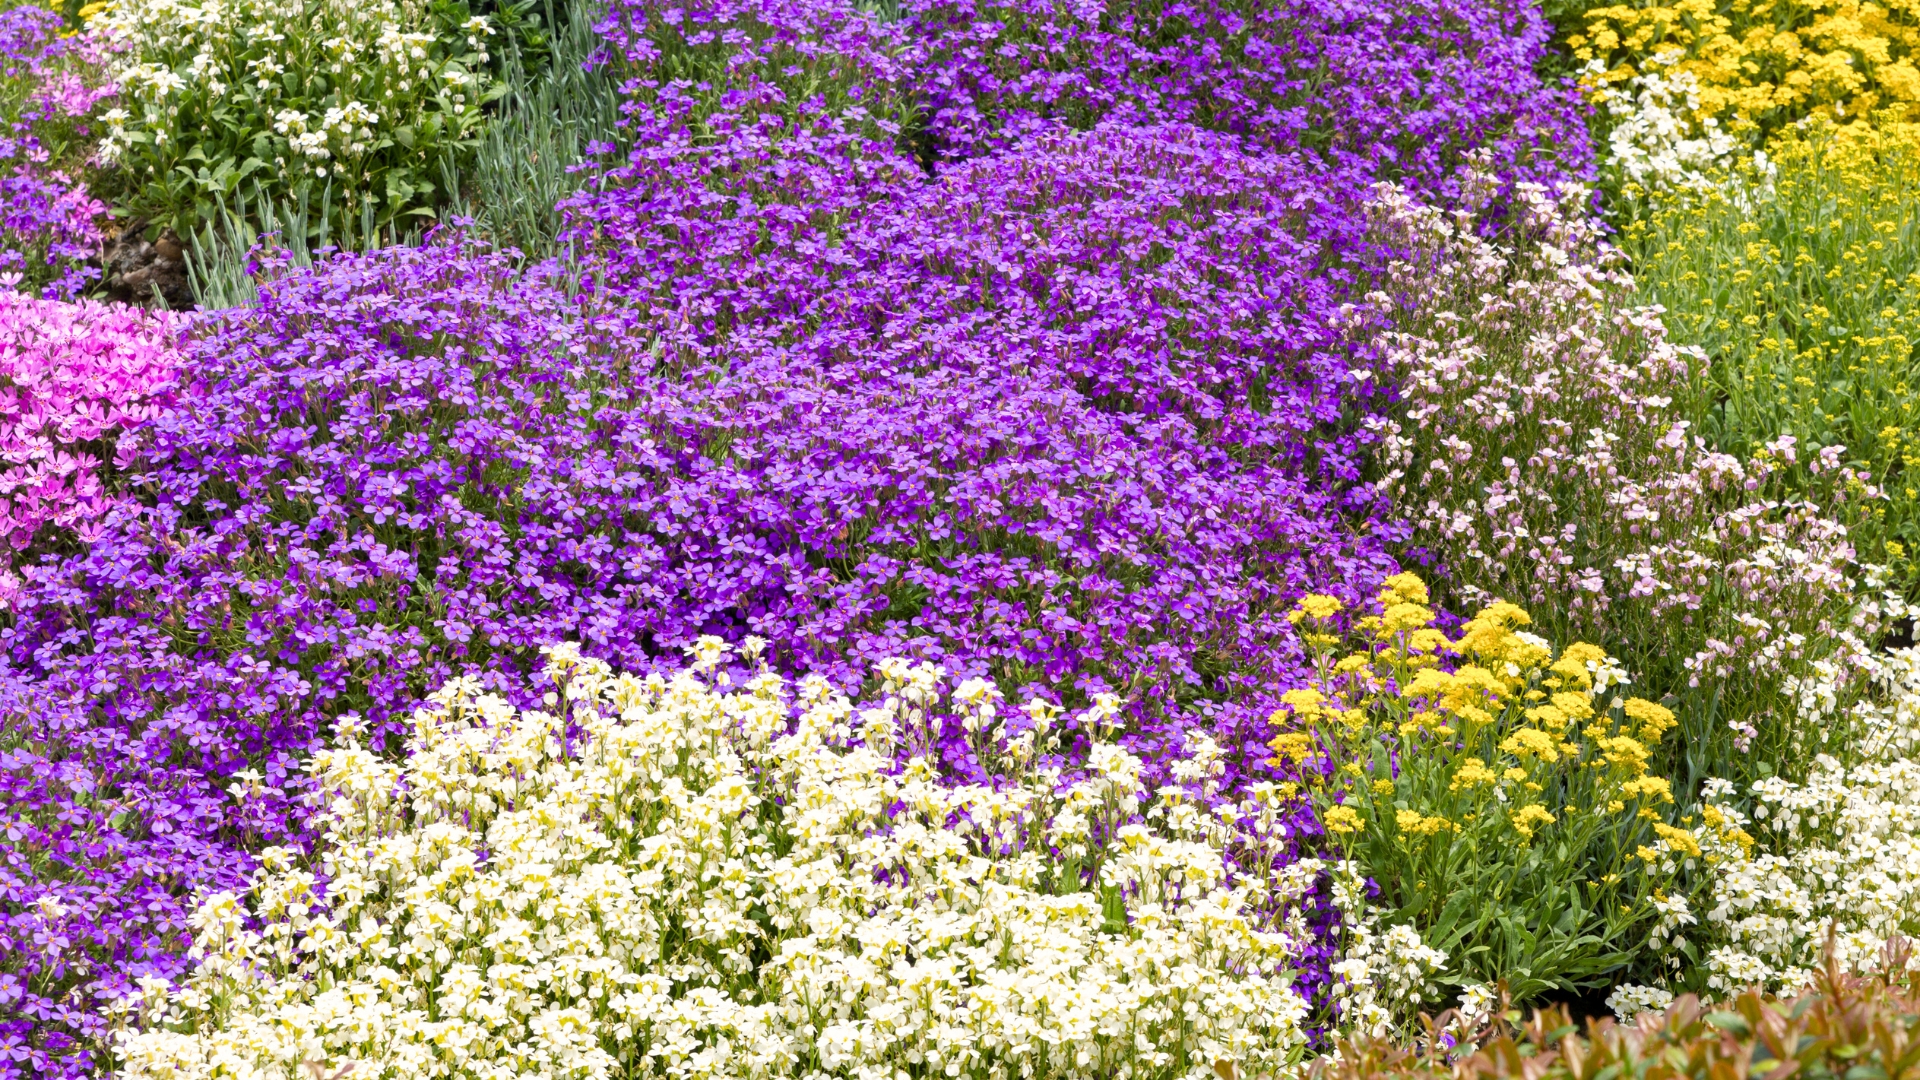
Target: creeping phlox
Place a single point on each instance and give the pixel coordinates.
(1498, 793)
(1835, 871)
(225, 94)
(74, 378)
(682, 877)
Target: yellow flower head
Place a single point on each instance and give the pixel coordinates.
(1347, 665)
(1549, 717)
(1652, 721)
(1530, 817)
(1401, 617)
(1656, 788)
(1304, 702)
(1412, 823)
(1625, 753)
(1680, 841)
(1343, 819)
(1404, 588)
(1316, 606)
(1572, 665)
(1293, 746)
(1531, 743)
(1576, 706)
(1472, 773)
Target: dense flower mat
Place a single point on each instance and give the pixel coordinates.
(1067, 414)
(903, 362)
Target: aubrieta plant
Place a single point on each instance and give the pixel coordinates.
(672, 876)
(50, 86)
(348, 104)
(1304, 77)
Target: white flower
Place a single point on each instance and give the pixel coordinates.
(1628, 1001)
(700, 882)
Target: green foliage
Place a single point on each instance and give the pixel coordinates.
(347, 104)
(1505, 807)
(1802, 291)
(554, 106)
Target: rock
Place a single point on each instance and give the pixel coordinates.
(138, 270)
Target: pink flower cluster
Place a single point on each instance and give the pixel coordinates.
(1545, 456)
(73, 377)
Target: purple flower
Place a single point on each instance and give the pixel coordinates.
(1026, 358)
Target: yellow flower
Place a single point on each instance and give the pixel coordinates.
(1293, 746)
(1531, 743)
(1550, 717)
(1404, 588)
(1577, 706)
(1305, 703)
(1528, 818)
(1316, 606)
(1680, 841)
(1657, 788)
(1624, 752)
(1572, 665)
(1412, 823)
(1653, 721)
(1343, 819)
(1472, 773)
(1400, 617)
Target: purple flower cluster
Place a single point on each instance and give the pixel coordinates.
(871, 347)
(49, 223)
(1393, 91)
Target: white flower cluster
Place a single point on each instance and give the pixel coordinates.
(334, 81)
(681, 878)
(1383, 975)
(1629, 1000)
(1841, 865)
(1656, 136)
(1545, 450)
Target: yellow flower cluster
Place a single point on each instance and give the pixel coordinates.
(1485, 765)
(670, 877)
(1536, 711)
(1762, 63)
(1807, 306)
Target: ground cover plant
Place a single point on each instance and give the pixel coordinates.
(1114, 360)
(1755, 175)
(49, 88)
(1547, 441)
(1759, 66)
(408, 466)
(1505, 809)
(848, 915)
(77, 376)
(346, 106)
(1803, 303)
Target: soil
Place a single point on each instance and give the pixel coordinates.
(142, 271)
